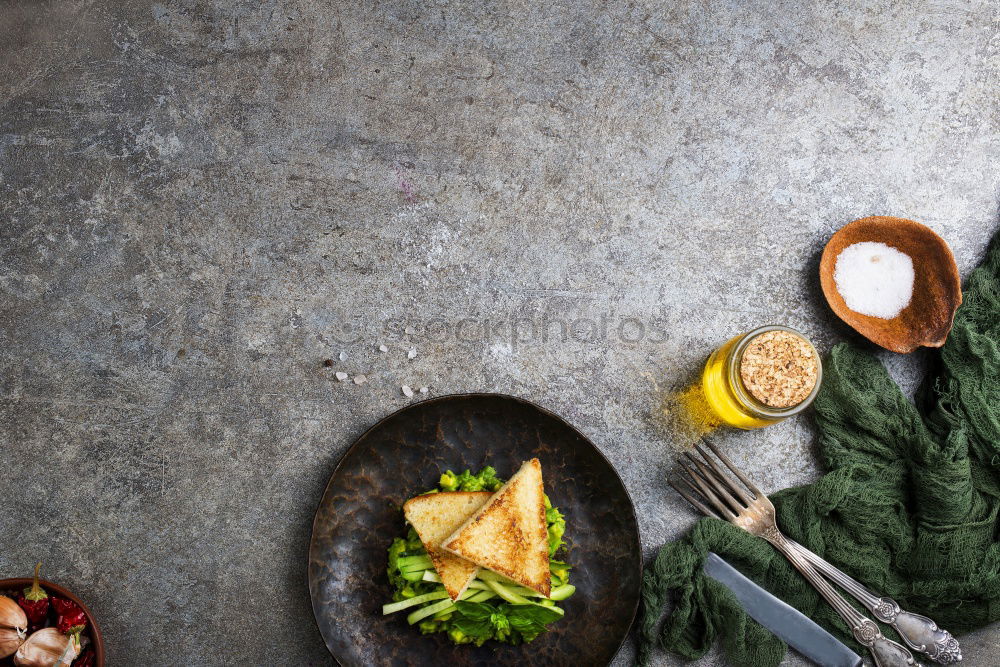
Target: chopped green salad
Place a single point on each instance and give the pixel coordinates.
(493, 607)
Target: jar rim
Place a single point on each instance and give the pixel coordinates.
(744, 396)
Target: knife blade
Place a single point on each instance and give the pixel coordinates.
(787, 623)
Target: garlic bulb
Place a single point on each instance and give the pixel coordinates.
(13, 626)
(47, 648)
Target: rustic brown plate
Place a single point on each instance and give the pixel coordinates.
(403, 455)
(93, 630)
(937, 290)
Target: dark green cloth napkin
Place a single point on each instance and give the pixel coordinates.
(908, 507)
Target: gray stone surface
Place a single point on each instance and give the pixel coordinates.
(202, 201)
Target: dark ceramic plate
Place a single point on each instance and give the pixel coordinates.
(403, 455)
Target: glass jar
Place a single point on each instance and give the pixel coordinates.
(727, 394)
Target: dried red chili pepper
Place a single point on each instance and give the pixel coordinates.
(86, 659)
(71, 619)
(34, 601)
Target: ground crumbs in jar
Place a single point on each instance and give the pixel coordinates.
(779, 369)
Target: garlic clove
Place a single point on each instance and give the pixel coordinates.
(48, 648)
(10, 641)
(13, 626)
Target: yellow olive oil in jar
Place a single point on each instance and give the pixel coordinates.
(762, 377)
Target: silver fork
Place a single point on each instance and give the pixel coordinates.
(755, 514)
(919, 632)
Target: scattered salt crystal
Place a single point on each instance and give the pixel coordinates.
(340, 375)
(360, 379)
(423, 390)
(412, 353)
(874, 279)
(343, 356)
(407, 391)
(409, 330)
(383, 348)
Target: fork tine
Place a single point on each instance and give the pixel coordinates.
(707, 493)
(722, 491)
(700, 506)
(698, 494)
(729, 464)
(744, 496)
(719, 486)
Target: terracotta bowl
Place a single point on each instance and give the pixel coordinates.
(93, 630)
(937, 290)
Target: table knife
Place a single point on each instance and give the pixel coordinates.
(786, 622)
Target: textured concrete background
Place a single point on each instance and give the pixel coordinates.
(571, 202)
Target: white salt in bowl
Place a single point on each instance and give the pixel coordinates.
(888, 317)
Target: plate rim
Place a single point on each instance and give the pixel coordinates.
(467, 395)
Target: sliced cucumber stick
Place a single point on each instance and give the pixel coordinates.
(393, 607)
(429, 610)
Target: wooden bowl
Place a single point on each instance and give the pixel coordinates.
(93, 630)
(937, 290)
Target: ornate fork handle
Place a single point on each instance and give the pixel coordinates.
(919, 632)
(886, 652)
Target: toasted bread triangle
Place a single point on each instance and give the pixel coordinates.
(435, 516)
(509, 534)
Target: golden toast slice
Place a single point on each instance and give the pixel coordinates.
(509, 534)
(435, 516)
